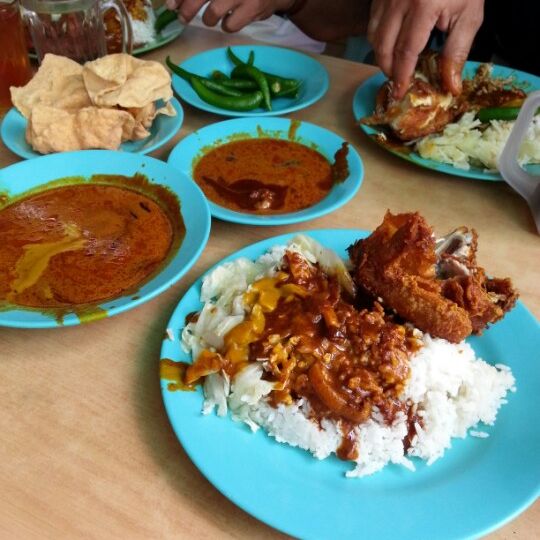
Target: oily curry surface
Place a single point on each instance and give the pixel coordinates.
(83, 243)
(268, 176)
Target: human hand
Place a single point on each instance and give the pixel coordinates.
(399, 30)
(233, 14)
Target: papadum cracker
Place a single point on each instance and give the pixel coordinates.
(58, 83)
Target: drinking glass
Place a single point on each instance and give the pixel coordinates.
(14, 63)
(74, 28)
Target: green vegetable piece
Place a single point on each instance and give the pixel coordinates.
(251, 72)
(181, 72)
(233, 58)
(251, 58)
(165, 18)
(215, 86)
(499, 113)
(246, 102)
(275, 87)
(219, 75)
(220, 88)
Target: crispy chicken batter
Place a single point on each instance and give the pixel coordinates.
(427, 108)
(434, 284)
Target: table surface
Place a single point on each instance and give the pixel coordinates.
(87, 450)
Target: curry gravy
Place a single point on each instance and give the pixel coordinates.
(84, 243)
(268, 176)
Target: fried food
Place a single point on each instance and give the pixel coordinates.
(51, 129)
(427, 108)
(58, 83)
(434, 284)
(98, 105)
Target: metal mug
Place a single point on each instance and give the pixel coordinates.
(74, 28)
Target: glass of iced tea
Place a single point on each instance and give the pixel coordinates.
(14, 64)
(74, 28)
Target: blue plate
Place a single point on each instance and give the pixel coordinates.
(26, 175)
(283, 62)
(479, 484)
(364, 105)
(164, 128)
(189, 150)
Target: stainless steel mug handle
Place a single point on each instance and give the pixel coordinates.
(125, 22)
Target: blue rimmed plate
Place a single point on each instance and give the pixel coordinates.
(478, 485)
(283, 62)
(21, 177)
(364, 105)
(189, 150)
(164, 128)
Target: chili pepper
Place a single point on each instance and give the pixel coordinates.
(283, 81)
(292, 93)
(251, 58)
(219, 75)
(233, 58)
(164, 18)
(499, 113)
(251, 72)
(246, 102)
(210, 84)
(239, 84)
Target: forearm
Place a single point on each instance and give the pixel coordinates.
(327, 20)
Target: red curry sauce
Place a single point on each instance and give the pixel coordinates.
(268, 176)
(82, 243)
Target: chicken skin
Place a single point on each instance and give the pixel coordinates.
(434, 284)
(427, 108)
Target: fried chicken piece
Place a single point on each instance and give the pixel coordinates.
(426, 108)
(435, 285)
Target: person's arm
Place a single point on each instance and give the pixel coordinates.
(328, 20)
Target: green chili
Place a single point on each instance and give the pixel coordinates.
(233, 58)
(251, 58)
(499, 113)
(246, 102)
(164, 18)
(210, 84)
(251, 72)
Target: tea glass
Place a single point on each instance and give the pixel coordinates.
(74, 28)
(14, 64)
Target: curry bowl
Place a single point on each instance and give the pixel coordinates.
(130, 223)
(269, 167)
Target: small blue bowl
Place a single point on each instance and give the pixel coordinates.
(189, 150)
(21, 177)
(276, 60)
(164, 128)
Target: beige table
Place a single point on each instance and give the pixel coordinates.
(87, 450)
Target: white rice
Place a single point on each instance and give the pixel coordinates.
(463, 145)
(454, 391)
(143, 31)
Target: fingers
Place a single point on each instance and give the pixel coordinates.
(458, 45)
(411, 41)
(386, 34)
(217, 10)
(242, 15)
(187, 9)
(375, 15)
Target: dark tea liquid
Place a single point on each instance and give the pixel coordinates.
(14, 63)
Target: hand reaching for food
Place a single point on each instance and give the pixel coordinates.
(399, 31)
(233, 14)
